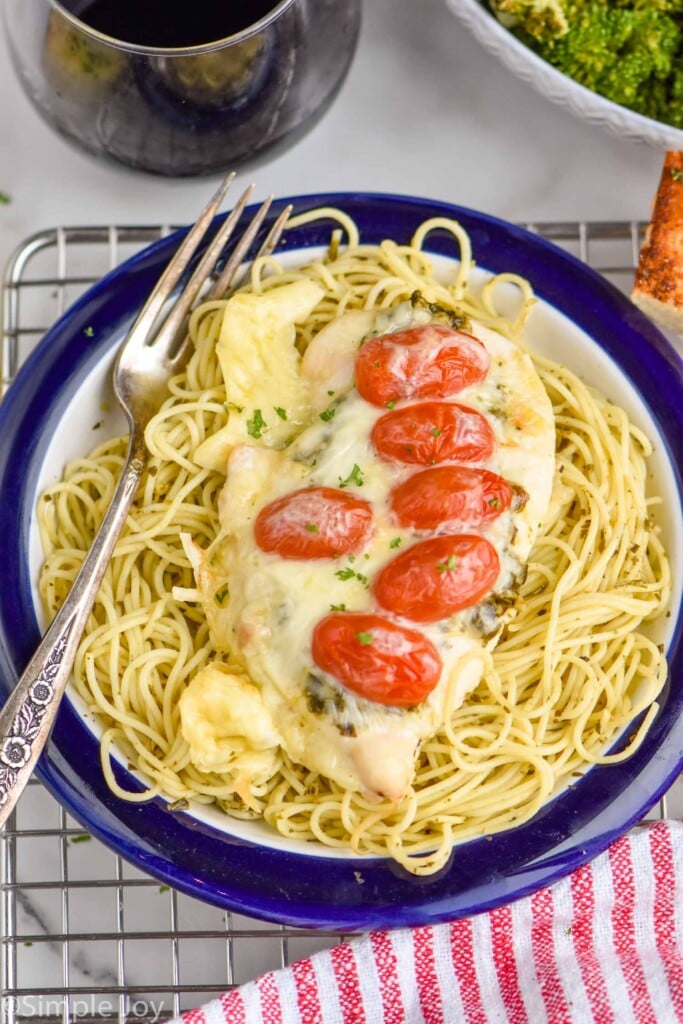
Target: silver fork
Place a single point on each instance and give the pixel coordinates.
(156, 348)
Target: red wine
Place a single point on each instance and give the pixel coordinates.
(169, 23)
(177, 113)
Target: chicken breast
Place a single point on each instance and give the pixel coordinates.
(272, 608)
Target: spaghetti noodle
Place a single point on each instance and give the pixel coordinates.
(572, 669)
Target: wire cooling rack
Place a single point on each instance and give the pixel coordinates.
(86, 937)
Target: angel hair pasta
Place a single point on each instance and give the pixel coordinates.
(573, 664)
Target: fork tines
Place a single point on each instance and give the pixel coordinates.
(172, 326)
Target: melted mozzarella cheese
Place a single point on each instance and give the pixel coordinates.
(262, 608)
(261, 369)
(228, 728)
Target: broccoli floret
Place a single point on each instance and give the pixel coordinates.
(540, 19)
(668, 6)
(615, 51)
(630, 51)
(675, 104)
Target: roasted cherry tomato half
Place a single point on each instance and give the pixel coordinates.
(314, 522)
(443, 494)
(376, 658)
(438, 577)
(432, 432)
(429, 361)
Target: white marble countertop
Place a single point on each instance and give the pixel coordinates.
(424, 111)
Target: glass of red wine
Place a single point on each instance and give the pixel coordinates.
(182, 87)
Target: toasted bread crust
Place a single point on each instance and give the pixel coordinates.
(658, 287)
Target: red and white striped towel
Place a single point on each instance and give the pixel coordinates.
(602, 945)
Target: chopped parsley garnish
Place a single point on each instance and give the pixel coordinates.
(494, 502)
(677, 174)
(81, 839)
(5, 200)
(327, 415)
(311, 528)
(391, 404)
(435, 432)
(282, 413)
(89, 332)
(231, 405)
(257, 425)
(345, 574)
(221, 594)
(337, 607)
(163, 888)
(330, 393)
(450, 563)
(354, 477)
(364, 638)
(395, 543)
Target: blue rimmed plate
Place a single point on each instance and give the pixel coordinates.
(50, 415)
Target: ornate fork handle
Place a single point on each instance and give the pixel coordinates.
(30, 711)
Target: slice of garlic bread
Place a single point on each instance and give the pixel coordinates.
(658, 287)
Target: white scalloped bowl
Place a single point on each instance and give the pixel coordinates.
(558, 87)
